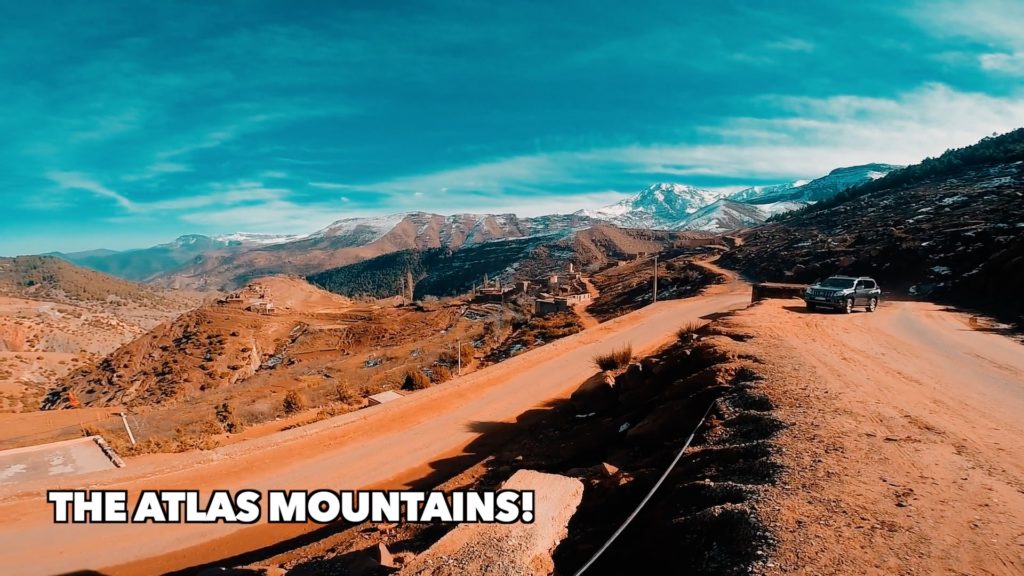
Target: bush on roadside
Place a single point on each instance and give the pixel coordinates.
(615, 359)
(416, 380)
(441, 374)
(688, 330)
(293, 402)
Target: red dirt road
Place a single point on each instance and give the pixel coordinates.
(385, 446)
(905, 447)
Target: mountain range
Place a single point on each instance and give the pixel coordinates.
(229, 261)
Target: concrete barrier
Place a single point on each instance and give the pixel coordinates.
(516, 548)
(763, 290)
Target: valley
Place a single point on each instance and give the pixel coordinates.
(454, 351)
(55, 318)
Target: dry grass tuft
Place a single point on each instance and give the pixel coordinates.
(615, 359)
(688, 330)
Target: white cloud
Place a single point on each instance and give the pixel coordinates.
(1011, 64)
(79, 181)
(998, 22)
(331, 186)
(809, 138)
(994, 23)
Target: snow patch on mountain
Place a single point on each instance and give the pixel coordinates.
(723, 215)
(660, 205)
(370, 228)
(257, 238)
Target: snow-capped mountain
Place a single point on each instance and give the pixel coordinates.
(256, 238)
(723, 215)
(814, 190)
(755, 193)
(659, 206)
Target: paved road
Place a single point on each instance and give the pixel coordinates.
(383, 446)
(43, 462)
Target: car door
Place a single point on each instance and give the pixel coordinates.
(869, 288)
(859, 294)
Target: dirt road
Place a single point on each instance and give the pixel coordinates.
(387, 445)
(905, 451)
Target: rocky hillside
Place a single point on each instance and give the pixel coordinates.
(803, 191)
(212, 346)
(145, 263)
(447, 272)
(356, 239)
(51, 278)
(950, 228)
(55, 317)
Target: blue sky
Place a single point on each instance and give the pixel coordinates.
(129, 123)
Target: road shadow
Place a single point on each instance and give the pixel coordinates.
(804, 310)
(716, 316)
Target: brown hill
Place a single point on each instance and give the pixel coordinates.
(353, 240)
(214, 345)
(55, 316)
(53, 279)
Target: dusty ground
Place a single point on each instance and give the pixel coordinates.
(41, 341)
(412, 438)
(905, 447)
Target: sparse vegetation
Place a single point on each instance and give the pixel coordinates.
(416, 380)
(688, 330)
(293, 402)
(618, 358)
(441, 374)
(226, 417)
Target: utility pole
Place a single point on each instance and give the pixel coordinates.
(655, 298)
(124, 418)
(459, 344)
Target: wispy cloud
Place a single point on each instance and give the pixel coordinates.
(995, 24)
(1006, 63)
(78, 181)
(809, 138)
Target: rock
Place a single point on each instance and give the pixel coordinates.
(516, 548)
(383, 556)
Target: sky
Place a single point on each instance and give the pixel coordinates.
(126, 124)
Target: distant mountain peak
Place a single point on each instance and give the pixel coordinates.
(816, 190)
(660, 205)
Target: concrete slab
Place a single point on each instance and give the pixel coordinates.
(516, 548)
(43, 461)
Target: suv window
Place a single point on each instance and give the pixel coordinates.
(867, 284)
(838, 283)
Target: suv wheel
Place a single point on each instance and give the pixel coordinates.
(872, 304)
(812, 307)
(848, 307)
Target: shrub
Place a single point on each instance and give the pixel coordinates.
(416, 380)
(618, 358)
(226, 417)
(441, 374)
(345, 393)
(688, 329)
(448, 358)
(293, 402)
